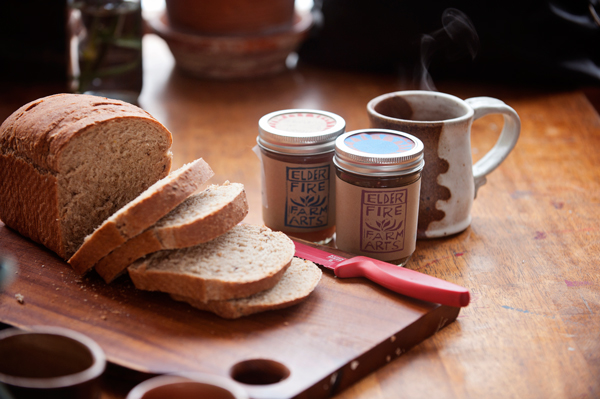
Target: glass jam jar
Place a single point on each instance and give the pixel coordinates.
(378, 181)
(298, 188)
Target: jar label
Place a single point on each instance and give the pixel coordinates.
(298, 198)
(383, 220)
(307, 196)
(378, 222)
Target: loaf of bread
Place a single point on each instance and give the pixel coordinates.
(200, 218)
(245, 260)
(297, 283)
(141, 213)
(69, 161)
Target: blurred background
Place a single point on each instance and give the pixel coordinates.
(538, 42)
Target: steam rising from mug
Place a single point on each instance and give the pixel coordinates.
(457, 37)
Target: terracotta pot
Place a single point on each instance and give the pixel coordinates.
(230, 17)
(232, 57)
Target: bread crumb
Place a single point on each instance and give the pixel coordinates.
(103, 317)
(20, 298)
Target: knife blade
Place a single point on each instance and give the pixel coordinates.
(396, 278)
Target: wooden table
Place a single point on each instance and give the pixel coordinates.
(530, 257)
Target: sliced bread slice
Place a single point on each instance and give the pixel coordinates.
(297, 283)
(200, 218)
(141, 213)
(245, 260)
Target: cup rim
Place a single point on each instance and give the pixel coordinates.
(403, 93)
(166, 379)
(95, 370)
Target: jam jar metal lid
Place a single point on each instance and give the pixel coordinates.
(300, 131)
(379, 152)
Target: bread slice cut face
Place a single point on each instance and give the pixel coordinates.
(297, 283)
(200, 218)
(245, 260)
(141, 213)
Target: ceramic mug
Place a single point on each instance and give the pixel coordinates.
(50, 362)
(443, 123)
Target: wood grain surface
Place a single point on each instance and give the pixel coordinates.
(530, 256)
(346, 328)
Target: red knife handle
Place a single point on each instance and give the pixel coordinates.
(404, 281)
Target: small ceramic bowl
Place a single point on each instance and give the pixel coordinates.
(187, 386)
(230, 17)
(50, 362)
(232, 57)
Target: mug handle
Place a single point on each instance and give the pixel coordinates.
(506, 142)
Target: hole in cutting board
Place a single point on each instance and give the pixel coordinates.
(259, 372)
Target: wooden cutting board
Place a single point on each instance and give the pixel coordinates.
(345, 330)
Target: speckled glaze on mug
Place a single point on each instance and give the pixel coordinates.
(443, 123)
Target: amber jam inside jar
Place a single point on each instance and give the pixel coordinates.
(378, 181)
(298, 183)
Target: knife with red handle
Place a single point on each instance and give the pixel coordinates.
(398, 279)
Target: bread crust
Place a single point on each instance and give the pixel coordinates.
(32, 142)
(195, 232)
(115, 263)
(40, 130)
(141, 213)
(24, 191)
